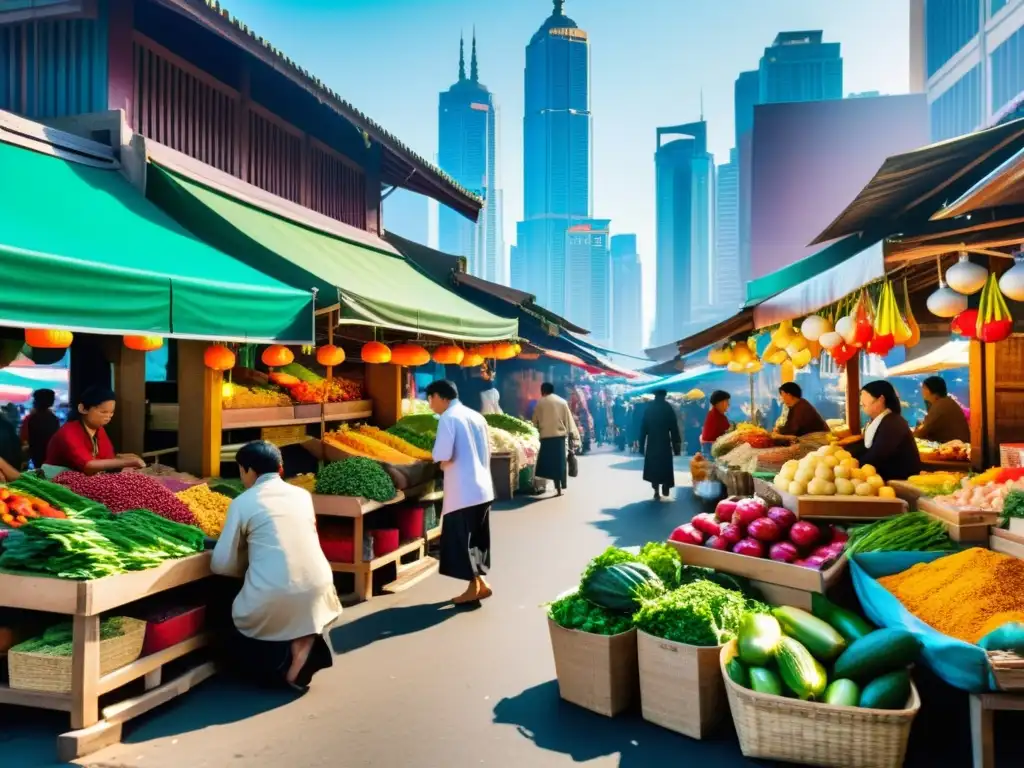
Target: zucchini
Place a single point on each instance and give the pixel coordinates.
(764, 680)
(758, 635)
(817, 636)
(800, 671)
(889, 691)
(881, 652)
(846, 623)
(842, 693)
(738, 672)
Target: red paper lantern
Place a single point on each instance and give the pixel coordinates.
(330, 356)
(143, 343)
(276, 356)
(880, 345)
(966, 324)
(472, 360)
(375, 352)
(449, 354)
(48, 338)
(219, 358)
(409, 355)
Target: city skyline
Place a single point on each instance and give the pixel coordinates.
(630, 59)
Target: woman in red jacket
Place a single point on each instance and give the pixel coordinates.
(717, 423)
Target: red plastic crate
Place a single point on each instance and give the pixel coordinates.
(385, 541)
(161, 635)
(410, 523)
(338, 550)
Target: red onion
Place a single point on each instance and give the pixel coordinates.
(687, 534)
(783, 517)
(764, 529)
(783, 552)
(747, 511)
(731, 533)
(750, 547)
(837, 535)
(717, 542)
(706, 524)
(804, 534)
(122, 491)
(725, 510)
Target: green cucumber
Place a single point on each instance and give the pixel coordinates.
(817, 636)
(764, 680)
(738, 672)
(842, 693)
(889, 691)
(800, 671)
(881, 652)
(758, 635)
(846, 623)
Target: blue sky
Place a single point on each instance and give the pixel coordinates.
(650, 60)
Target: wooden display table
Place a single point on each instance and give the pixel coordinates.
(84, 601)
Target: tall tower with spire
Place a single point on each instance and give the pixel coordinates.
(557, 166)
(468, 152)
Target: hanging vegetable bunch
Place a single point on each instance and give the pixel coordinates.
(890, 328)
(737, 357)
(994, 322)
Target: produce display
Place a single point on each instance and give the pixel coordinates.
(831, 471)
(987, 491)
(750, 527)
(937, 483)
(17, 508)
(354, 442)
(954, 450)
(121, 491)
(98, 544)
(510, 424)
(424, 442)
(304, 386)
(57, 640)
(420, 423)
(699, 613)
(829, 655)
(356, 477)
(57, 496)
(966, 595)
(393, 441)
(209, 508)
(744, 433)
(235, 396)
(306, 481)
(575, 612)
(910, 532)
(412, 405)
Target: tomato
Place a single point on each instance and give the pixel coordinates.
(4, 493)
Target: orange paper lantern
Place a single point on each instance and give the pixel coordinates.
(219, 358)
(449, 355)
(504, 351)
(409, 355)
(375, 352)
(48, 338)
(472, 360)
(143, 343)
(485, 350)
(276, 356)
(330, 356)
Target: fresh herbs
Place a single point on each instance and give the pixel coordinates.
(57, 640)
(510, 424)
(910, 532)
(700, 613)
(664, 560)
(574, 612)
(1014, 505)
(356, 477)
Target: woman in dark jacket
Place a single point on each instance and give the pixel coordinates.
(889, 444)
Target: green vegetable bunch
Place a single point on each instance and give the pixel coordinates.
(356, 477)
(424, 442)
(57, 640)
(575, 612)
(421, 423)
(664, 560)
(910, 532)
(611, 556)
(510, 424)
(700, 613)
(1014, 505)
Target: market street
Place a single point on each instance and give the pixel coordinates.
(420, 684)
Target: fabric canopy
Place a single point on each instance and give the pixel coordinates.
(671, 382)
(926, 177)
(952, 354)
(373, 287)
(742, 322)
(80, 249)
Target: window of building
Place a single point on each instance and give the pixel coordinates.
(994, 6)
(1007, 74)
(949, 26)
(958, 110)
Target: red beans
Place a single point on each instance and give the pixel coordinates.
(123, 491)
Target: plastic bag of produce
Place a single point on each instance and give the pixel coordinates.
(960, 664)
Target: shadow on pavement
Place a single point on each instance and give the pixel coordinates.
(392, 622)
(539, 715)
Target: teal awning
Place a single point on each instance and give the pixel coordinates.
(81, 249)
(811, 266)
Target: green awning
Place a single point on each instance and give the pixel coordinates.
(811, 266)
(81, 249)
(373, 287)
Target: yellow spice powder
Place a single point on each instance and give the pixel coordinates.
(966, 595)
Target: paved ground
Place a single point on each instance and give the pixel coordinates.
(419, 684)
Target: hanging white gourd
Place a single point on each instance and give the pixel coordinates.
(1012, 281)
(814, 326)
(965, 276)
(830, 340)
(945, 302)
(846, 328)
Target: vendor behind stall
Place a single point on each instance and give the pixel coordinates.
(802, 419)
(82, 444)
(945, 420)
(716, 423)
(888, 444)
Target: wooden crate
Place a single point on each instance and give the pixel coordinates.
(781, 583)
(963, 525)
(1006, 542)
(242, 418)
(680, 685)
(596, 672)
(843, 507)
(353, 409)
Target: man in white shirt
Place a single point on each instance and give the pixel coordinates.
(462, 448)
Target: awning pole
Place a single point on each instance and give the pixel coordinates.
(753, 411)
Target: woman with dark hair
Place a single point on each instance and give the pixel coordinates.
(888, 443)
(82, 444)
(717, 423)
(39, 426)
(287, 600)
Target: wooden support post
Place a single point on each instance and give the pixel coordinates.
(130, 386)
(853, 394)
(977, 384)
(85, 671)
(199, 412)
(384, 387)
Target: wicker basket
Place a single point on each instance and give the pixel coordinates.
(52, 674)
(810, 733)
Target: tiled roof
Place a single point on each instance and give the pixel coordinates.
(369, 128)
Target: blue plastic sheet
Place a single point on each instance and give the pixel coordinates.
(962, 665)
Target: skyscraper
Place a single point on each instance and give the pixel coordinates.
(556, 155)
(684, 181)
(627, 296)
(588, 295)
(746, 93)
(799, 66)
(968, 56)
(467, 151)
(729, 273)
